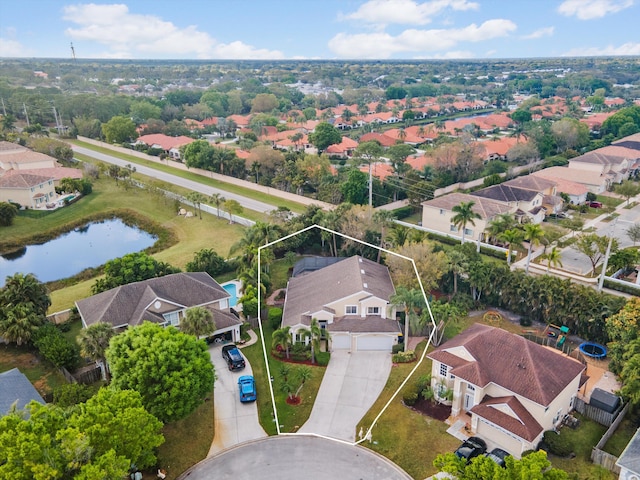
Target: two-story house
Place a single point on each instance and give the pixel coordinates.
(350, 299)
(513, 389)
(526, 205)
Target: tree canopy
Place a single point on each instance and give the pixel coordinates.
(133, 267)
(324, 135)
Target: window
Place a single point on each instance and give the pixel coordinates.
(351, 310)
(468, 232)
(470, 388)
(373, 310)
(453, 228)
(173, 318)
(443, 370)
(557, 417)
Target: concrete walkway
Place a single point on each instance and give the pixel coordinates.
(351, 385)
(235, 422)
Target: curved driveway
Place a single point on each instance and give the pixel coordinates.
(295, 457)
(181, 182)
(235, 422)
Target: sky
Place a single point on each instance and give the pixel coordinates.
(319, 29)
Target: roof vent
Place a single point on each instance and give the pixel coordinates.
(365, 285)
(362, 271)
(360, 259)
(157, 305)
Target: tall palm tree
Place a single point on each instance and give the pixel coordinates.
(534, 234)
(458, 264)
(26, 290)
(410, 300)
(282, 338)
(314, 333)
(464, 215)
(499, 224)
(18, 323)
(94, 341)
(198, 321)
(196, 199)
(553, 257)
(384, 219)
(512, 238)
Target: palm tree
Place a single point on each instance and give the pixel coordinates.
(458, 264)
(304, 374)
(398, 235)
(18, 323)
(500, 224)
(94, 341)
(464, 215)
(534, 234)
(410, 300)
(198, 321)
(26, 290)
(512, 238)
(554, 257)
(196, 199)
(282, 338)
(314, 333)
(384, 219)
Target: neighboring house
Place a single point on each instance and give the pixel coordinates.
(551, 201)
(170, 145)
(27, 189)
(16, 389)
(629, 460)
(343, 149)
(17, 157)
(437, 214)
(576, 192)
(162, 300)
(615, 168)
(592, 180)
(513, 389)
(350, 299)
(526, 205)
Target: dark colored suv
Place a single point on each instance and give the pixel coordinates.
(471, 448)
(498, 455)
(235, 360)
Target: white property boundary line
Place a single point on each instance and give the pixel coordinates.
(264, 349)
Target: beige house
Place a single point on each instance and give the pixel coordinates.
(27, 189)
(17, 157)
(512, 389)
(526, 205)
(437, 214)
(350, 299)
(612, 167)
(594, 181)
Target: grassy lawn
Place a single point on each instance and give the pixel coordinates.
(291, 417)
(73, 332)
(621, 437)
(279, 272)
(44, 376)
(247, 192)
(187, 441)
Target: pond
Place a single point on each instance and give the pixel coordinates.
(89, 246)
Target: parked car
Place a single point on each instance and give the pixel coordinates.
(595, 204)
(498, 455)
(247, 388)
(472, 447)
(235, 360)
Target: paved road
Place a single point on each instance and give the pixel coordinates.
(176, 180)
(295, 457)
(351, 384)
(235, 422)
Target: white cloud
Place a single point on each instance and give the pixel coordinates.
(13, 48)
(383, 45)
(590, 9)
(541, 32)
(130, 35)
(407, 12)
(625, 49)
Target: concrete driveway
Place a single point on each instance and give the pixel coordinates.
(351, 384)
(235, 422)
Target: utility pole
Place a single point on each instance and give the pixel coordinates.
(58, 122)
(26, 114)
(370, 188)
(606, 256)
(4, 110)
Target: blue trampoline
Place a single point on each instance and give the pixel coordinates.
(593, 350)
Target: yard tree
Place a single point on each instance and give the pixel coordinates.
(8, 212)
(410, 300)
(622, 329)
(207, 260)
(133, 267)
(171, 370)
(197, 199)
(431, 265)
(217, 199)
(354, 189)
(594, 247)
(533, 234)
(464, 215)
(324, 135)
(94, 341)
(264, 102)
(18, 323)
(633, 232)
(198, 321)
(199, 154)
(627, 189)
(282, 338)
(119, 130)
(233, 207)
(21, 289)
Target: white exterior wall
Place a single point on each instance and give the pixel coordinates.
(24, 196)
(356, 300)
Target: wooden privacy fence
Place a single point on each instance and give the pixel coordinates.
(599, 456)
(86, 375)
(596, 414)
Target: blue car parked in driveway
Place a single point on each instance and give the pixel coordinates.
(247, 387)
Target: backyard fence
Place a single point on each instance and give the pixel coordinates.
(86, 375)
(599, 456)
(596, 414)
(59, 317)
(565, 348)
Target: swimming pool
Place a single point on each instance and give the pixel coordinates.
(232, 290)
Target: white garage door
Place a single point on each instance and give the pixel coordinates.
(374, 342)
(341, 342)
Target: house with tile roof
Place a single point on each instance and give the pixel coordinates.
(512, 389)
(31, 190)
(170, 145)
(384, 140)
(17, 157)
(16, 389)
(350, 299)
(526, 204)
(162, 300)
(437, 214)
(613, 165)
(343, 149)
(577, 192)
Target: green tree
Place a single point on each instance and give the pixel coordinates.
(324, 135)
(431, 263)
(207, 260)
(384, 219)
(464, 215)
(196, 198)
(282, 338)
(119, 130)
(304, 374)
(198, 321)
(199, 154)
(553, 257)
(627, 189)
(8, 212)
(314, 333)
(217, 199)
(233, 207)
(633, 232)
(354, 189)
(18, 323)
(171, 370)
(458, 265)
(411, 300)
(533, 234)
(94, 341)
(21, 289)
(133, 267)
(594, 247)
(55, 347)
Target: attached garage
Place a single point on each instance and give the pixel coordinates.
(340, 342)
(374, 342)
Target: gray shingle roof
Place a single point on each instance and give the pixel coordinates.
(131, 304)
(16, 388)
(506, 193)
(531, 182)
(371, 323)
(630, 458)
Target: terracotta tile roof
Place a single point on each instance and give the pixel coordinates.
(584, 177)
(596, 119)
(311, 292)
(345, 144)
(381, 138)
(500, 146)
(165, 142)
(378, 169)
(57, 173)
(511, 362)
(21, 180)
(133, 303)
(530, 182)
(518, 420)
(418, 162)
(486, 208)
(410, 136)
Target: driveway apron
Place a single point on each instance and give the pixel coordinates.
(235, 422)
(351, 385)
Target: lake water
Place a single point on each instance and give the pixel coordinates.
(65, 256)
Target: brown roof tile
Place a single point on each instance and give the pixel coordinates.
(522, 424)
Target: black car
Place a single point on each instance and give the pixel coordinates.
(472, 447)
(498, 455)
(235, 360)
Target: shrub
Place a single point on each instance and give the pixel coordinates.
(423, 382)
(72, 394)
(403, 212)
(397, 348)
(55, 347)
(404, 357)
(558, 445)
(322, 358)
(410, 398)
(275, 317)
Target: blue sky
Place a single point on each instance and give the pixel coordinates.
(319, 29)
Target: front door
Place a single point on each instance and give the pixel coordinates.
(468, 401)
